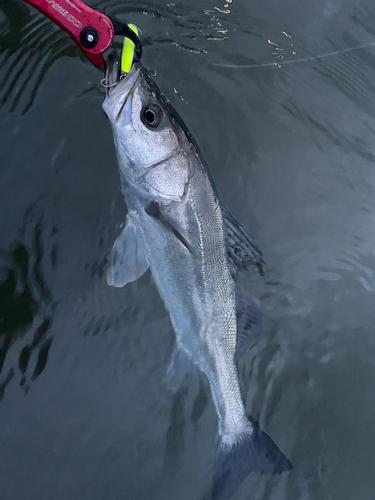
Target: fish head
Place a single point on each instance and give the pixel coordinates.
(152, 146)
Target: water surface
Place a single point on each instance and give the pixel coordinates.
(85, 413)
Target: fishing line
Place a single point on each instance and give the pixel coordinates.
(294, 61)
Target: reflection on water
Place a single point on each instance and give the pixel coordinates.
(26, 311)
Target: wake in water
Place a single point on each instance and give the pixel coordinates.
(294, 61)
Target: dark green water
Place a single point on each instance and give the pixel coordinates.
(84, 411)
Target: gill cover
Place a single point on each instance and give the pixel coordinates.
(152, 148)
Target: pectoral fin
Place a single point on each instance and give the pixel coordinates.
(249, 320)
(128, 260)
(153, 210)
(242, 249)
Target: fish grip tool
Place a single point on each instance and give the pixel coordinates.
(92, 30)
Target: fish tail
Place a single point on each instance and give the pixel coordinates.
(253, 451)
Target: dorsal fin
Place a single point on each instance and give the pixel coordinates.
(242, 249)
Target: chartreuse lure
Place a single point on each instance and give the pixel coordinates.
(128, 51)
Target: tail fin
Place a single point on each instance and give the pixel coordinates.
(253, 452)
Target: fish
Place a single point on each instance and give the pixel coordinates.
(177, 227)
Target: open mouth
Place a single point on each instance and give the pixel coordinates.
(113, 73)
(117, 79)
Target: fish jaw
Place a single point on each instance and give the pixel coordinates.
(118, 86)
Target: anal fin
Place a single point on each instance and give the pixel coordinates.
(179, 369)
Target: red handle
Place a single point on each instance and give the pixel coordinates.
(91, 30)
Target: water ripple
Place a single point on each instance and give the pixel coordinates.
(30, 44)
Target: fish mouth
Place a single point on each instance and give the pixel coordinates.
(112, 72)
(115, 79)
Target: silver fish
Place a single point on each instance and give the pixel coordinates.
(177, 227)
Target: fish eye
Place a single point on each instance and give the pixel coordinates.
(152, 115)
